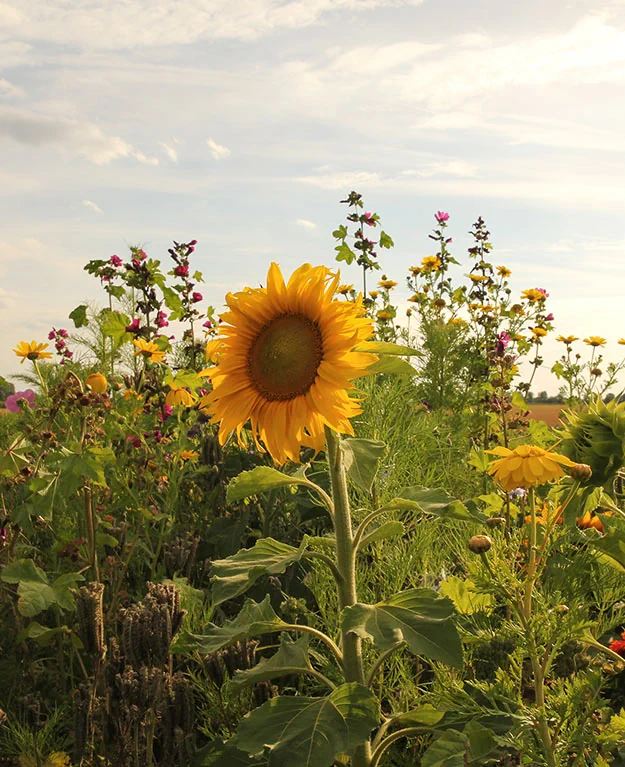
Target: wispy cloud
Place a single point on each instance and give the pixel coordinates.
(169, 151)
(92, 206)
(305, 224)
(218, 151)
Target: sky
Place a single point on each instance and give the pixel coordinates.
(243, 125)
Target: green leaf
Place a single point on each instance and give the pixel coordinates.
(447, 751)
(310, 732)
(35, 594)
(258, 480)
(344, 253)
(518, 400)
(291, 658)
(361, 460)
(386, 347)
(386, 241)
(79, 316)
(493, 501)
(41, 634)
(465, 596)
(433, 501)
(387, 530)
(114, 326)
(425, 715)
(419, 617)
(340, 233)
(235, 575)
(392, 365)
(173, 302)
(255, 618)
(610, 548)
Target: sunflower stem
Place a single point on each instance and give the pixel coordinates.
(346, 564)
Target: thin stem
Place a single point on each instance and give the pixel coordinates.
(314, 632)
(387, 742)
(328, 561)
(364, 524)
(531, 567)
(380, 661)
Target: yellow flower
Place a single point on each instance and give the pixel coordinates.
(32, 351)
(415, 271)
(149, 350)
(131, 393)
(526, 466)
(179, 396)
(533, 295)
(516, 309)
(431, 263)
(189, 455)
(374, 294)
(214, 349)
(387, 284)
(621, 341)
(503, 271)
(97, 383)
(344, 289)
(385, 314)
(458, 321)
(567, 339)
(57, 759)
(595, 341)
(477, 277)
(288, 360)
(439, 303)
(413, 299)
(538, 332)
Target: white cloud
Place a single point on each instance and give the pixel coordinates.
(218, 151)
(305, 224)
(82, 138)
(9, 90)
(169, 151)
(92, 206)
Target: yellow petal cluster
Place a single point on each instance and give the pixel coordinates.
(595, 341)
(526, 466)
(179, 396)
(32, 351)
(97, 383)
(149, 350)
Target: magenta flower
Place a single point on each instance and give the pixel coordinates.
(441, 216)
(193, 242)
(181, 271)
(52, 335)
(549, 317)
(134, 441)
(141, 254)
(115, 260)
(503, 339)
(195, 297)
(207, 324)
(369, 220)
(161, 320)
(63, 333)
(12, 403)
(166, 412)
(543, 291)
(133, 327)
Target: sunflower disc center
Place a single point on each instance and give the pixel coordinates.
(285, 356)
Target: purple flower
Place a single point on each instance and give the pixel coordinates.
(115, 260)
(12, 403)
(63, 333)
(134, 441)
(52, 335)
(207, 324)
(133, 327)
(503, 339)
(368, 219)
(441, 216)
(182, 270)
(195, 297)
(549, 317)
(166, 412)
(161, 320)
(193, 242)
(519, 492)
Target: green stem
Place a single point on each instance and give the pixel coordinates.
(346, 562)
(387, 742)
(327, 560)
(531, 567)
(380, 661)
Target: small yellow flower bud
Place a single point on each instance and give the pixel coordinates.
(97, 383)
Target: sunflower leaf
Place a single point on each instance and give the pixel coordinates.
(393, 365)
(258, 480)
(235, 575)
(434, 501)
(419, 617)
(386, 347)
(255, 618)
(386, 530)
(291, 658)
(361, 460)
(309, 732)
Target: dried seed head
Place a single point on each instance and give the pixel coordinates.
(480, 544)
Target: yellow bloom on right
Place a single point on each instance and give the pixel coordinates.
(526, 466)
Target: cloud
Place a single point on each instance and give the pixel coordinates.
(92, 206)
(305, 224)
(82, 138)
(9, 90)
(169, 151)
(217, 150)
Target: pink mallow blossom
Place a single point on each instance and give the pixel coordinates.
(549, 317)
(12, 401)
(133, 327)
(115, 261)
(182, 270)
(161, 320)
(441, 216)
(369, 220)
(195, 297)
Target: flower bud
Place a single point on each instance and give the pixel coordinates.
(496, 522)
(97, 383)
(480, 544)
(581, 472)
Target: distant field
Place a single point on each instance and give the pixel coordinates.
(545, 412)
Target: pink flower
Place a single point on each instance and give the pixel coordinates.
(549, 317)
(134, 441)
(141, 254)
(166, 412)
(369, 220)
(52, 335)
(503, 339)
(63, 333)
(181, 271)
(543, 291)
(161, 320)
(196, 297)
(115, 260)
(207, 324)
(441, 216)
(133, 327)
(12, 403)
(193, 242)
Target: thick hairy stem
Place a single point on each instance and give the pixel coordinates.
(346, 562)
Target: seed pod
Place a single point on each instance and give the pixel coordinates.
(496, 522)
(480, 544)
(581, 472)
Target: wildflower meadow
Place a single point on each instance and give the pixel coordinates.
(317, 526)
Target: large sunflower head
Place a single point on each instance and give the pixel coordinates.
(287, 360)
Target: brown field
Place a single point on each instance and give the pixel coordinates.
(545, 412)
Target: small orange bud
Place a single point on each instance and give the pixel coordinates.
(97, 383)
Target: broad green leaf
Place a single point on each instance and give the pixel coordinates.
(291, 658)
(449, 750)
(35, 593)
(79, 316)
(433, 501)
(220, 754)
(344, 253)
(41, 634)
(481, 742)
(493, 501)
(386, 347)
(387, 530)
(114, 325)
(255, 618)
(465, 596)
(361, 457)
(386, 241)
(419, 617)
(340, 233)
(518, 400)
(609, 548)
(235, 575)
(391, 364)
(310, 732)
(258, 480)
(425, 715)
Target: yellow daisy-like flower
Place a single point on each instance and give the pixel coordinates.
(538, 332)
(595, 341)
(439, 303)
(458, 321)
(477, 277)
(503, 271)
(621, 341)
(374, 294)
(32, 351)
(387, 284)
(533, 295)
(385, 314)
(97, 383)
(413, 299)
(526, 466)
(431, 263)
(568, 340)
(149, 350)
(288, 361)
(189, 455)
(344, 289)
(517, 309)
(179, 396)
(57, 759)
(415, 271)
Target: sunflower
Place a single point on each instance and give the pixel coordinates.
(179, 396)
(534, 295)
(32, 351)
(621, 341)
(374, 294)
(415, 270)
(149, 350)
(386, 284)
(568, 340)
(478, 277)
(189, 455)
(288, 361)
(526, 466)
(430, 263)
(503, 271)
(344, 289)
(538, 332)
(414, 299)
(385, 314)
(595, 341)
